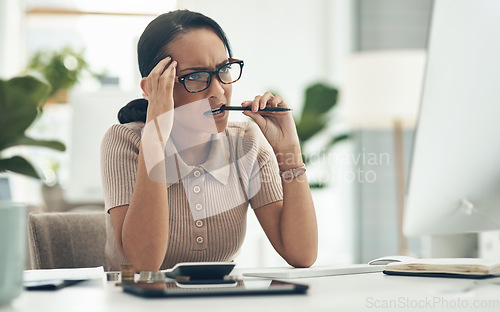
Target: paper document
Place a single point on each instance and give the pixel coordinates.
(63, 274)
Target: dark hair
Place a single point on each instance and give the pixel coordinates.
(152, 48)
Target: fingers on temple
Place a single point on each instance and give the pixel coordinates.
(164, 69)
(167, 78)
(160, 67)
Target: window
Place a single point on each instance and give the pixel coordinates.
(107, 32)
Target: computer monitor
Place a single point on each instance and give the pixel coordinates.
(454, 181)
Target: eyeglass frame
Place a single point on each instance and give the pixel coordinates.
(182, 78)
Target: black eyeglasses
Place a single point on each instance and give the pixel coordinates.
(199, 81)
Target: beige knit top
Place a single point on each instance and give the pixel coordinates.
(208, 203)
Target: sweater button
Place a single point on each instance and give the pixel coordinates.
(199, 240)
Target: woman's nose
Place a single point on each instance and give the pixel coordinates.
(215, 89)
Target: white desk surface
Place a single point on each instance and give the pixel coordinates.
(361, 292)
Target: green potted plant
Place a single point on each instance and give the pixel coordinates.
(20, 102)
(62, 69)
(320, 99)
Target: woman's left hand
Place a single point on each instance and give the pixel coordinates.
(278, 127)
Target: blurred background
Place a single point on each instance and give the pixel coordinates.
(352, 71)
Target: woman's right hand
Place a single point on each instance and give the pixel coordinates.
(158, 87)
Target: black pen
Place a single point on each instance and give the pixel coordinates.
(247, 108)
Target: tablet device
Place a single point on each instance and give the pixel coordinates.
(238, 288)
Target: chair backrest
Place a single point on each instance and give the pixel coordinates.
(66, 239)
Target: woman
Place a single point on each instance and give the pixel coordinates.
(178, 178)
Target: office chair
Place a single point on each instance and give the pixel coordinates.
(66, 239)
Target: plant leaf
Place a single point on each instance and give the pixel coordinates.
(19, 100)
(319, 99)
(339, 138)
(24, 140)
(19, 165)
(61, 68)
(309, 125)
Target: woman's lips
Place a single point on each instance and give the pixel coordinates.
(214, 111)
(221, 114)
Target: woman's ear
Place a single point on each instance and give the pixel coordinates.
(143, 87)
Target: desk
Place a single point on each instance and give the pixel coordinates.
(362, 292)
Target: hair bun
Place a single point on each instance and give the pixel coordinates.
(135, 110)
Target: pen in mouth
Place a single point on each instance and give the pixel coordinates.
(241, 108)
(217, 110)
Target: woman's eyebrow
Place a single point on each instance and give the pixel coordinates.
(205, 68)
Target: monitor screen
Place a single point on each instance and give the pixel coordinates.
(454, 181)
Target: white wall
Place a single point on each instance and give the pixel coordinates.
(282, 43)
(11, 37)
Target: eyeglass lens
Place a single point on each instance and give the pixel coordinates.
(199, 81)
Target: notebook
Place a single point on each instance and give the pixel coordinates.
(315, 271)
(447, 267)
